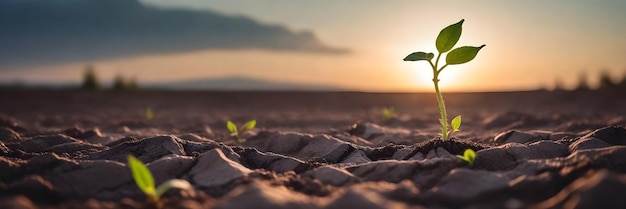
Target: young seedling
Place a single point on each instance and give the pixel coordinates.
(145, 182)
(389, 113)
(149, 114)
(468, 156)
(447, 38)
(235, 133)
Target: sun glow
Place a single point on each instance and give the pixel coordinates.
(449, 77)
(422, 77)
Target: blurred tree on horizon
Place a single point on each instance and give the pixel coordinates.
(583, 82)
(605, 80)
(121, 83)
(90, 79)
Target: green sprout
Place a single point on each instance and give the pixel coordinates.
(149, 114)
(145, 182)
(468, 156)
(447, 38)
(389, 113)
(235, 133)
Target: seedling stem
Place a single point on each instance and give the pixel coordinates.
(442, 105)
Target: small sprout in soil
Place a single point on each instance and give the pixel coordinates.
(236, 133)
(389, 113)
(455, 124)
(468, 156)
(149, 114)
(145, 182)
(448, 37)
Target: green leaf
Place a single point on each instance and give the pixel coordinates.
(173, 183)
(448, 37)
(456, 123)
(417, 56)
(248, 126)
(143, 176)
(469, 156)
(462, 54)
(231, 127)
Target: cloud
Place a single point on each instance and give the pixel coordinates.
(37, 32)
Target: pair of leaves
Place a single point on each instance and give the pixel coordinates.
(232, 128)
(468, 156)
(145, 181)
(447, 38)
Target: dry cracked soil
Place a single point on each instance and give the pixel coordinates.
(537, 149)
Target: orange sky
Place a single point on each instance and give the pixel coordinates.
(530, 44)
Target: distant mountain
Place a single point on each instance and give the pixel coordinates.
(239, 83)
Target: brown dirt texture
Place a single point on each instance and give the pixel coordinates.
(535, 149)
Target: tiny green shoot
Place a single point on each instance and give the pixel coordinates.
(149, 114)
(144, 180)
(447, 38)
(236, 133)
(389, 113)
(455, 125)
(468, 156)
